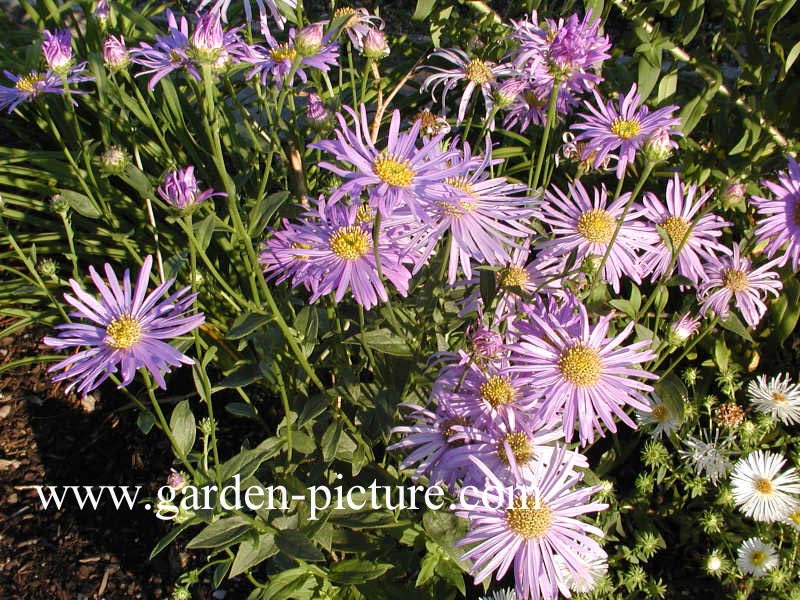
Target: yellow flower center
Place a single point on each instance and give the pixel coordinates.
(350, 242)
(497, 390)
(514, 276)
(625, 128)
(659, 413)
(478, 72)
(597, 226)
(795, 517)
(461, 183)
(390, 169)
(532, 100)
(735, 280)
(758, 557)
(364, 214)
(282, 52)
(580, 365)
(778, 397)
(530, 522)
(764, 486)
(520, 445)
(676, 228)
(123, 332)
(448, 429)
(456, 209)
(27, 83)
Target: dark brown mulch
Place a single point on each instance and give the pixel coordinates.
(47, 438)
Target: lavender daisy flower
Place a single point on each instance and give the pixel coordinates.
(780, 217)
(568, 53)
(180, 189)
(732, 278)
(624, 130)
(337, 249)
(28, 87)
(590, 377)
(264, 7)
(528, 525)
(586, 226)
(697, 239)
(278, 59)
(127, 330)
(57, 50)
(398, 175)
(529, 108)
(484, 215)
(168, 54)
(476, 72)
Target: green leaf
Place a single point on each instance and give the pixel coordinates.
(722, 354)
(307, 324)
(776, 14)
(297, 545)
(423, 10)
(446, 529)
(673, 394)
(383, 340)
(253, 552)
(221, 533)
(183, 426)
(246, 463)
(138, 181)
(145, 421)
(171, 537)
(649, 71)
(355, 571)
(330, 441)
(241, 409)
(204, 231)
(791, 57)
(263, 210)
(81, 204)
(787, 309)
(296, 583)
(314, 407)
(734, 324)
(246, 324)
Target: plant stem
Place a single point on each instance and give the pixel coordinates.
(73, 255)
(551, 116)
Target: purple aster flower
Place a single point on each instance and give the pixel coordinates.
(358, 24)
(678, 219)
(264, 7)
(168, 54)
(589, 376)
(28, 87)
(430, 443)
(57, 50)
(334, 247)
(586, 226)
(398, 175)
(779, 220)
(115, 54)
(477, 73)
(529, 108)
(568, 53)
(127, 330)
(180, 189)
(624, 129)
(733, 278)
(484, 215)
(277, 60)
(682, 329)
(534, 525)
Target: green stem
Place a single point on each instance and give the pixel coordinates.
(551, 117)
(286, 409)
(73, 255)
(689, 347)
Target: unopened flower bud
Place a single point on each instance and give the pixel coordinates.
(57, 50)
(102, 11)
(658, 147)
(176, 480)
(316, 113)
(308, 40)
(47, 267)
(375, 45)
(207, 39)
(682, 329)
(508, 92)
(115, 160)
(733, 196)
(59, 204)
(115, 54)
(181, 593)
(485, 342)
(207, 426)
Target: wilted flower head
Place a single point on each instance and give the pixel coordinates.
(115, 54)
(180, 189)
(57, 50)
(115, 160)
(708, 456)
(730, 415)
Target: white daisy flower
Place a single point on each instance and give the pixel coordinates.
(793, 518)
(756, 557)
(779, 398)
(660, 415)
(760, 491)
(708, 457)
